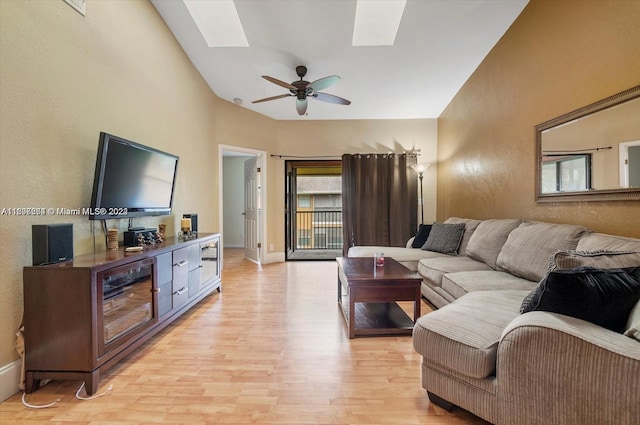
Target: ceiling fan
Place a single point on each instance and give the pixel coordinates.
(303, 90)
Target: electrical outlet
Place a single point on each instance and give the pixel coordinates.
(270, 247)
(79, 5)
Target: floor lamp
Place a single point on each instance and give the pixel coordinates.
(420, 169)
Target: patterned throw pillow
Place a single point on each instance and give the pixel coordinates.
(445, 238)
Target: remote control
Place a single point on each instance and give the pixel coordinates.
(133, 249)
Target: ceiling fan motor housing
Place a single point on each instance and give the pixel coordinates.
(301, 89)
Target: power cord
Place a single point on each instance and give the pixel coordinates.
(78, 396)
(36, 406)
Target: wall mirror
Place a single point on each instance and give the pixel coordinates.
(591, 154)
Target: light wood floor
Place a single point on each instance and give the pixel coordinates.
(270, 349)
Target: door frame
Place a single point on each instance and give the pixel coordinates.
(291, 192)
(226, 149)
(623, 152)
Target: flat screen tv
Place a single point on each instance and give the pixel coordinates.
(131, 180)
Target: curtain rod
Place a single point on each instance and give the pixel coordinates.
(409, 154)
(304, 157)
(580, 150)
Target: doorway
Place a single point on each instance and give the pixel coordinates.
(313, 210)
(241, 198)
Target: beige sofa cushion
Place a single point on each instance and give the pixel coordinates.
(409, 257)
(433, 269)
(458, 284)
(470, 227)
(463, 336)
(528, 249)
(488, 238)
(600, 241)
(571, 259)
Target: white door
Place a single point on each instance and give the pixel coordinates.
(252, 209)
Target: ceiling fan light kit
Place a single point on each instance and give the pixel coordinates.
(303, 90)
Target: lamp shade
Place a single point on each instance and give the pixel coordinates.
(420, 168)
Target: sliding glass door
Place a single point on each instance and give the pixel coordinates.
(313, 210)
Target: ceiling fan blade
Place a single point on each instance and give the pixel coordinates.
(323, 83)
(266, 99)
(279, 82)
(301, 106)
(325, 97)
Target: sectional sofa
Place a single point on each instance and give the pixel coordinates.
(520, 336)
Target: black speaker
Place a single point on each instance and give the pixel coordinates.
(194, 221)
(51, 243)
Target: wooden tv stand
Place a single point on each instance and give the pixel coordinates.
(82, 316)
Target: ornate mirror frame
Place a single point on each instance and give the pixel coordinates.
(626, 194)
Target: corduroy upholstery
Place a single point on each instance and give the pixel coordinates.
(458, 284)
(508, 368)
(529, 247)
(463, 337)
(408, 257)
(434, 269)
(558, 370)
(488, 239)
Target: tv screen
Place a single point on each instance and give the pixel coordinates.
(131, 180)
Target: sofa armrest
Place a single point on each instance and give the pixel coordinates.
(555, 369)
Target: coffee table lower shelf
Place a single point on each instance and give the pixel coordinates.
(379, 319)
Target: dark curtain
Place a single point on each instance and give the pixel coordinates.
(379, 200)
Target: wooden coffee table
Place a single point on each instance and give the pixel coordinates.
(367, 296)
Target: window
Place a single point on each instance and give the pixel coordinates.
(331, 202)
(566, 173)
(304, 201)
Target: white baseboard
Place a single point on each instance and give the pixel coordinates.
(274, 257)
(9, 378)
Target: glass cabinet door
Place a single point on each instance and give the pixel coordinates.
(209, 260)
(127, 296)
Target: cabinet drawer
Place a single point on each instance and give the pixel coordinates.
(180, 283)
(181, 259)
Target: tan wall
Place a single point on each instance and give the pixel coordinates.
(557, 57)
(327, 138)
(65, 77)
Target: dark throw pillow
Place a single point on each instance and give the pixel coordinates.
(601, 296)
(421, 236)
(445, 238)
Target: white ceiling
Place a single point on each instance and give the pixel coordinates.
(438, 46)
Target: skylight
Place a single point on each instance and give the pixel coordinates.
(377, 22)
(218, 22)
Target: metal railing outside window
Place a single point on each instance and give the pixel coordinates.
(319, 229)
